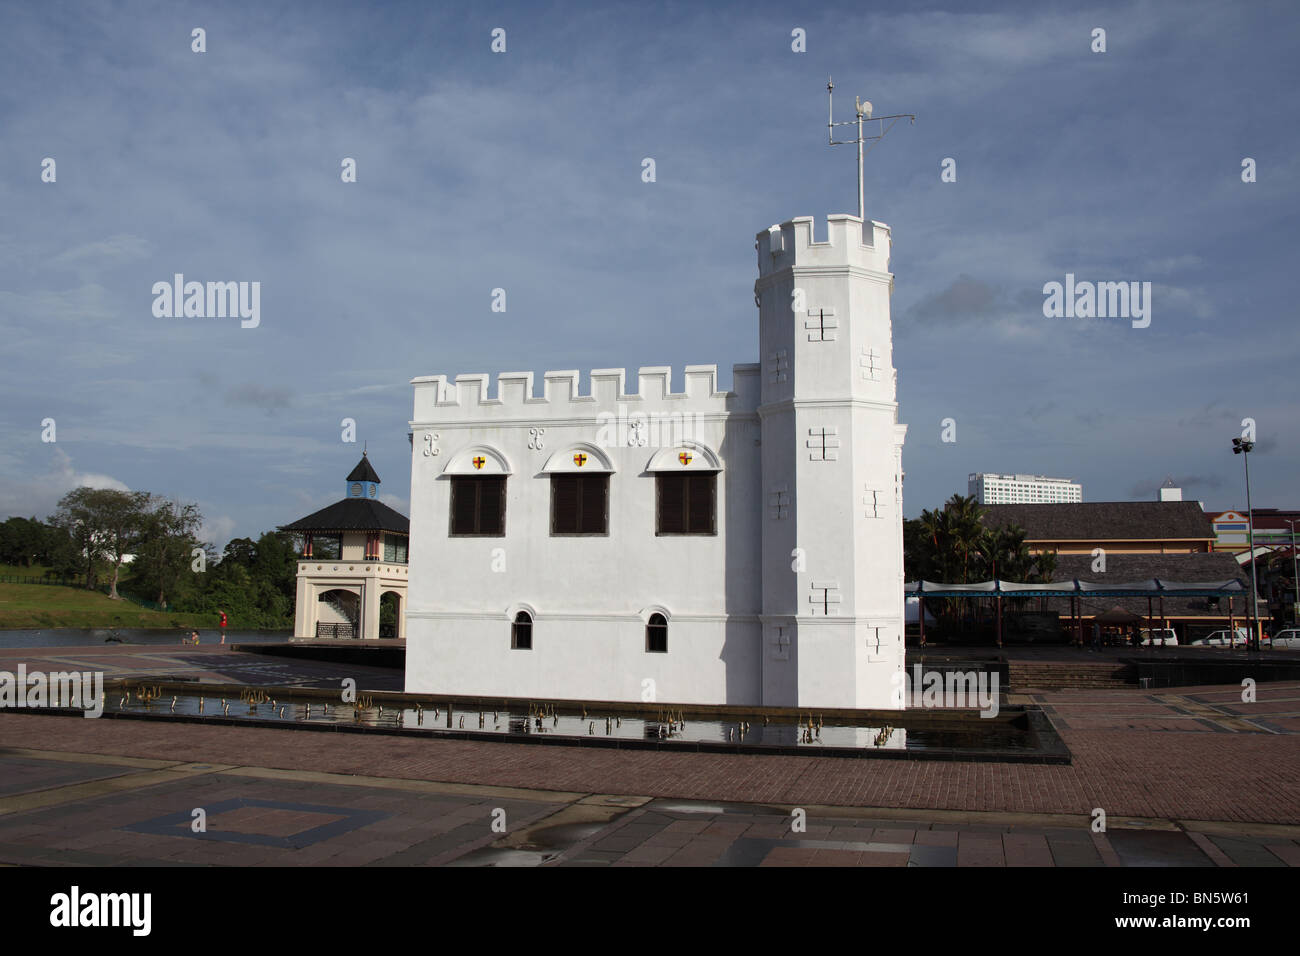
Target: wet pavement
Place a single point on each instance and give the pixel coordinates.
(63, 809)
(1186, 777)
(204, 662)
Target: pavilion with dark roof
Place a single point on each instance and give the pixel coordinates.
(352, 571)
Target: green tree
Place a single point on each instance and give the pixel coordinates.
(57, 551)
(79, 519)
(275, 562)
(21, 541)
(240, 551)
(105, 525)
(169, 535)
(230, 589)
(123, 516)
(254, 582)
(967, 533)
(953, 546)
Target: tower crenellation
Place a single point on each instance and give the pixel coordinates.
(848, 241)
(438, 397)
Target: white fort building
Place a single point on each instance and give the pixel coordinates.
(632, 542)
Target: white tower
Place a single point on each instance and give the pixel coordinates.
(832, 614)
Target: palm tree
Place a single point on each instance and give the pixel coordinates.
(965, 516)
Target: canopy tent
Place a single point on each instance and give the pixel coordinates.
(1119, 616)
(1153, 587)
(1076, 590)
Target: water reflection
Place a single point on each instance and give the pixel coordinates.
(758, 731)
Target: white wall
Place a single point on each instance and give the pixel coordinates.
(726, 596)
(578, 657)
(830, 435)
(590, 594)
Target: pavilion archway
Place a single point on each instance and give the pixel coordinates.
(338, 613)
(391, 614)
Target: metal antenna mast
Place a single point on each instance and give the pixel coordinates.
(863, 110)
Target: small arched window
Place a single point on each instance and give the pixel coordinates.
(656, 634)
(521, 632)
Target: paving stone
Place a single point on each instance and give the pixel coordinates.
(1073, 852)
(1137, 755)
(1288, 853)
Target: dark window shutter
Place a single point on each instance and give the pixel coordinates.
(672, 503)
(464, 505)
(492, 505)
(564, 504)
(594, 491)
(478, 505)
(700, 503)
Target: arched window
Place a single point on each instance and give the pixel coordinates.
(521, 632)
(656, 634)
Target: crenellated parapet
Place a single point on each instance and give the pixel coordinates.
(477, 397)
(848, 242)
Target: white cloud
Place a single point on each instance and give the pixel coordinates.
(39, 495)
(34, 309)
(105, 253)
(217, 530)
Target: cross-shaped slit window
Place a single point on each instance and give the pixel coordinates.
(871, 363)
(821, 325)
(822, 444)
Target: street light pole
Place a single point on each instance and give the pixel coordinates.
(1295, 575)
(1243, 447)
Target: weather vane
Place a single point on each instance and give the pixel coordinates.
(863, 110)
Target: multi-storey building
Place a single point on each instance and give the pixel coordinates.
(989, 489)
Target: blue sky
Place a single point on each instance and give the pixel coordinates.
(522, 170)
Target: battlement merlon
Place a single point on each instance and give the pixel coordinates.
(849, 242)
(469, 397)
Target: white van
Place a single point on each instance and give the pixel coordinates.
(1158, 636)
(1238, 638)
(1288, 639)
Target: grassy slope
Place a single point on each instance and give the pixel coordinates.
(35, 571)
(43, 605)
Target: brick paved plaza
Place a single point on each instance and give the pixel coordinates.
(1186, 777)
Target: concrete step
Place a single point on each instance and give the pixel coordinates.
(1069, 674)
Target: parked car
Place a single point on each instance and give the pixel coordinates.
(1159, 636)
(1288, 639)
(1236, 638)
